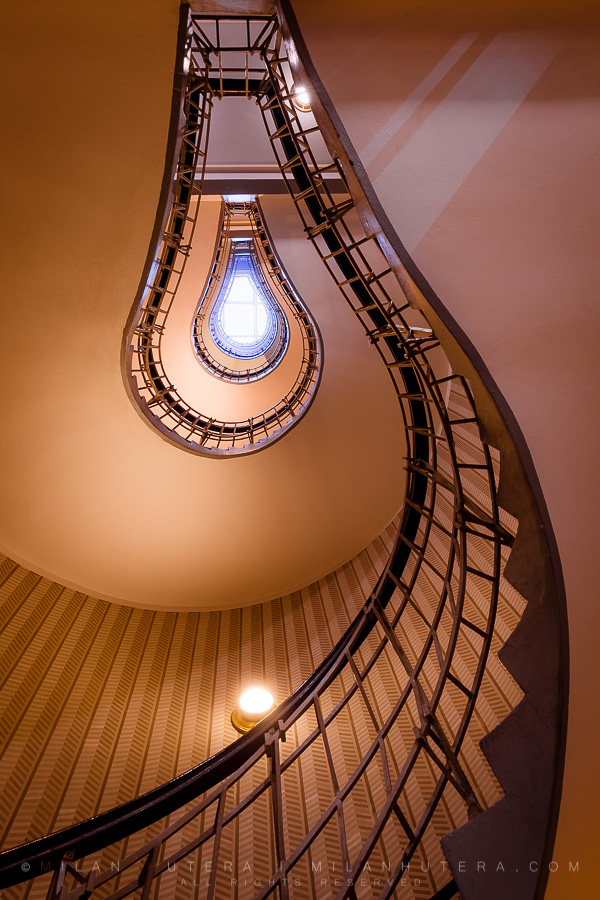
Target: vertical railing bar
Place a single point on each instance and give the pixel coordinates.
(336, 786)
(361, 687)
(148, 871)
(218, 827)
(272, 748)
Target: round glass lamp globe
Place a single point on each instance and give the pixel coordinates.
(256, 701)
(252, 706)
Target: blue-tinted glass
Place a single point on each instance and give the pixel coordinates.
(243, 321)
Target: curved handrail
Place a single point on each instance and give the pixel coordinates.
(159, 400)
(108, 827)
(86, 837)
(268, 266)
(452, 539)
(534, 566)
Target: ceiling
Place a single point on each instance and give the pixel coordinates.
(91, 495)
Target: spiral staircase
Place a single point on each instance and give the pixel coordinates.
(407, 749)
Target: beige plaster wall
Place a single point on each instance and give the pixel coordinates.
(91, 495)
(509, 246)
(479, 125)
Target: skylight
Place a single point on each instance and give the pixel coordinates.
(243, 321)
(239, 198)
(244, 315)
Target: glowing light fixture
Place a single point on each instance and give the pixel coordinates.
(255, 701)
(253, 706)
(301, 99)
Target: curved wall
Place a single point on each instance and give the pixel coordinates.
(100, 703)
(92, 496)
(479, 126)
(526, 207)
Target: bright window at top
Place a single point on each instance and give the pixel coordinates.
(244, 315)
(243, 321)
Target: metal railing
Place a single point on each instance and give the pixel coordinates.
(395, 786)
(215, 69)
(270, 274)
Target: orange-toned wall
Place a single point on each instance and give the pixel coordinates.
(92, 496)
(511, 251)
(479, 125)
